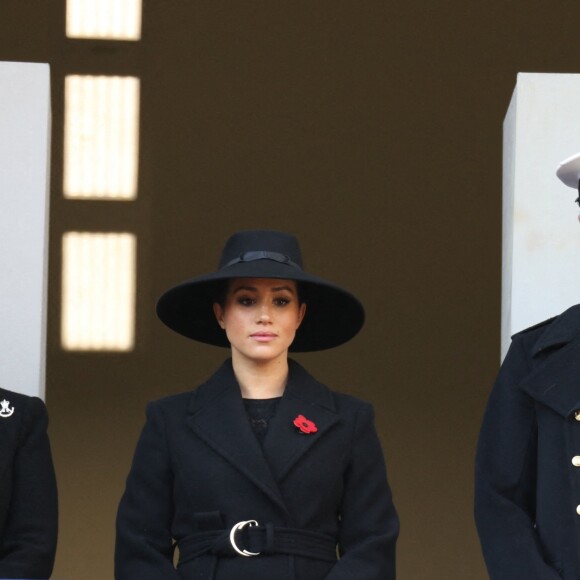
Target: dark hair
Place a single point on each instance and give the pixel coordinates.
(218, 291)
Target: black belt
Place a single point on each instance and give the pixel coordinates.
(248, 539)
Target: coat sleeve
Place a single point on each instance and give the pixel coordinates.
(505, 476)
(369, 523)
(143, 546)
(29, 540)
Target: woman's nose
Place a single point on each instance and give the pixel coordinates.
(264, 313)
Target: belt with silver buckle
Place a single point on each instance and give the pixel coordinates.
(240, 526)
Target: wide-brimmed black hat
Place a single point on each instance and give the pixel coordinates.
(332, 318)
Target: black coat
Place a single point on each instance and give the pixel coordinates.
(198, 467)
(527, 499)
(28, 497)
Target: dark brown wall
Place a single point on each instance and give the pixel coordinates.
(373, 131)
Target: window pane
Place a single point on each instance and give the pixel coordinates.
(104, 19)
(98, 291)
(101, 137)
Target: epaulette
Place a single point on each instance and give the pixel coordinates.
(555, 331)
(535, 326)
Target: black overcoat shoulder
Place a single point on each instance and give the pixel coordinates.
(527, 474)
(28, 494)
(198, 467)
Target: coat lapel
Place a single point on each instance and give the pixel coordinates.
(284, 444)
(556, 381)
(9, 429)
(6, 445)
(218, 417)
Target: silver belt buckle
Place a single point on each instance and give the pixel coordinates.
(241, 526)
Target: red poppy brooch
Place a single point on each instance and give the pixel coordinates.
(305, 425)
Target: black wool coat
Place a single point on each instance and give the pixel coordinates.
(527, 498)
(199, 469)
(28, 495)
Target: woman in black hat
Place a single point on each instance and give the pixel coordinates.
(260, 472)
(28, 497)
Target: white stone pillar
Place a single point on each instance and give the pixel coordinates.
(541, 234)
(24, 195)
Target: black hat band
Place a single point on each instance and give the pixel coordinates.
(261, 255)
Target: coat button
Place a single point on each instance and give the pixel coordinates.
(577, 415)
(578, 510)
(576, 461)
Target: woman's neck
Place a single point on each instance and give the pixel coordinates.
(260, 380)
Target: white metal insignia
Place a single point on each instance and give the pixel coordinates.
(5, 409)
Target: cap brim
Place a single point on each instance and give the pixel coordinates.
(569, 171)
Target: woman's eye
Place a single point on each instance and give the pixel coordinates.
(244, 301)
(281, 301)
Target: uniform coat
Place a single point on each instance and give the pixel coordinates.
(198, 466)
(527, 499)
(28, 497)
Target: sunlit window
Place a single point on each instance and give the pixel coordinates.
(101, 137)
(104, 19)
(98, 291)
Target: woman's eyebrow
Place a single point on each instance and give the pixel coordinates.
(280, 288)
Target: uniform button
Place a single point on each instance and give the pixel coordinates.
(576, 461)
(577, 415)
(578, 510)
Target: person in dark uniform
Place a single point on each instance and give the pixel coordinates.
(527, 472)
(261, 471)
(28, 494)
